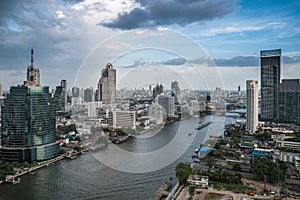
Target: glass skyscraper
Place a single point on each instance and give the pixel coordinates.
(270, 80)
(289, 101)
(28, 131)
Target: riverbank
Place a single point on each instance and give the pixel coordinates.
(38, 166)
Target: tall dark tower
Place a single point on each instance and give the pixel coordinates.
(33, 74)
(270, 79)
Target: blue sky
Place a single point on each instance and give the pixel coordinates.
(65, 32)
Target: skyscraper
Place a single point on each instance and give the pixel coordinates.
(289, 101)
(252, 105)
(176, 92)
(60, 96)
(270, 79)
(107, 85)
(28, 131)
(75, 92)
(88, 94)
(168, 103)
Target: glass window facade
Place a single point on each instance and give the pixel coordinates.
(28, 125)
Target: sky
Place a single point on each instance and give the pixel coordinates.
(203, 44)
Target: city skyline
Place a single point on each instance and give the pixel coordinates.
(230, 32)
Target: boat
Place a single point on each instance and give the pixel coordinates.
(16, 181)
(31, 172)
(197, 150)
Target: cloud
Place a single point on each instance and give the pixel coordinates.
(169, 12)
(136, 63)
(175, 61)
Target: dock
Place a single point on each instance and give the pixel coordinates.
(161, 192)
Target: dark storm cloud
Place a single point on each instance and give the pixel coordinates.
(168, 12)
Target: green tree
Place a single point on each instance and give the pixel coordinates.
(183, 171)
(236, 167)
(264, 166)
(210, 162)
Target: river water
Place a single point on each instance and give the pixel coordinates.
(87, 178)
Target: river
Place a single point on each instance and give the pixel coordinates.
(87, 178)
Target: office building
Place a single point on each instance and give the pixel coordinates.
(60, 96)
(157, 90)
(75, 92)
(107, 85)
(176, 93)
(289, 101)
(252, 105)
(168, 104)
(88, 95)
(28, 131)
(270, 78)
(1, 90)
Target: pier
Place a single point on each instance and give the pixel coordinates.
(161, 192)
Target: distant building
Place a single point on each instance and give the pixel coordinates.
(93, 108)
(75, 92)
(289, 101)
(107, 85)
(122, 119)
(88, 95)
(239, 89)
(1, 90)
(168, 103)
(28, 131)
(60, 96)
(270, 79)
(252, 105)
(157, 90)
(176, 92)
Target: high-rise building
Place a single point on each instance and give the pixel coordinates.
(107, 85)
(157, 90)
(252, 105)
(289, 101)
(168, 103)
(28, 131)
(270, 79)
(88, 95)
(60, 96)
(239, 89)
(75, 92)
(121, 119)
(176, 92)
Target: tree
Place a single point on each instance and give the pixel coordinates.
(210, 162)
(236, 167)
(183, 172)
(264, 166)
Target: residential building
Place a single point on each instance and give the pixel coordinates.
(252, 105)
(198, 181)
(270, 79)
(122, 119)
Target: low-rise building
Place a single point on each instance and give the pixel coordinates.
(198, 181)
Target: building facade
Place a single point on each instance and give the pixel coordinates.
(289, 101)
(107, 85)
(122, 119)
(270, 79)
(60, 96)
(252, 105)
(168, 104)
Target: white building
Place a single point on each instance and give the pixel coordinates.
(156, 114)
(92, 108)
(252, 106)
(121, 119)
(198, 181)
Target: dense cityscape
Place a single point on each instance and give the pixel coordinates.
(169, 128)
